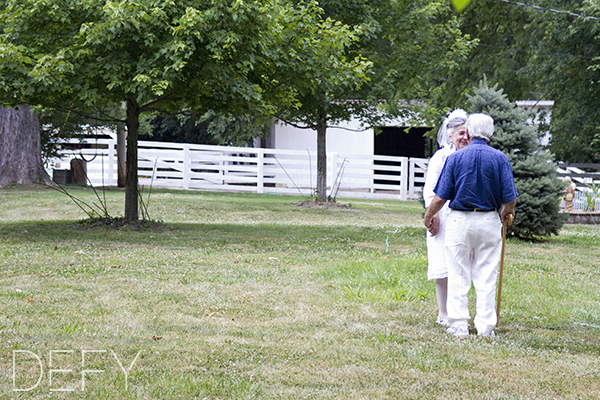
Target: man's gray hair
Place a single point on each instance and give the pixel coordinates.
(480, 126)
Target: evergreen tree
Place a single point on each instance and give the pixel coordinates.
(533, 168)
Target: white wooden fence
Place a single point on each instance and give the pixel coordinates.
(204, 167)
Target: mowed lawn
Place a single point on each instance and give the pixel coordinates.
(241, 296)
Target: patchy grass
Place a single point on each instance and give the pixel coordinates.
(248, 296)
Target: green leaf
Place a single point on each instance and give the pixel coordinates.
(460, 5)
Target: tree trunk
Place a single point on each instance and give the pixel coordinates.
(121, 155)
(20, 148)
(322, 158)
(131, 184)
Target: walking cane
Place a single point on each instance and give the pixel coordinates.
(501, 269)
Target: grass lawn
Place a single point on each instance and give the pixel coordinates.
(248, 296)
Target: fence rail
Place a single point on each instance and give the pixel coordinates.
(206, 167)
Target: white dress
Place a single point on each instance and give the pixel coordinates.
(435, 244)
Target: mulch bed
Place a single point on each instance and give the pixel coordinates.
(321, 204)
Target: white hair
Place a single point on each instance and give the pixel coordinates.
(455, 119)
(480, 126)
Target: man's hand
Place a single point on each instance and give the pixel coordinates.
(508, 211)
(434, 225)
(436, 205)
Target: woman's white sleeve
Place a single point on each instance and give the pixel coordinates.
(434, 168)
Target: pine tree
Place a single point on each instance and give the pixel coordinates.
(534, 171)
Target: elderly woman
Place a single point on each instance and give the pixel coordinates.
(452, 136)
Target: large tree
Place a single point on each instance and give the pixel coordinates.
(164, 55)
(20, 147)
(568, 66)
(549, 52)
(505, 35)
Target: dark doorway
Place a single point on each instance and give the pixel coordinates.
(396, 141)
(400, 142)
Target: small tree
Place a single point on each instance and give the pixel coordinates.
(533, 169)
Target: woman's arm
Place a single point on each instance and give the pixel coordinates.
(434, 168)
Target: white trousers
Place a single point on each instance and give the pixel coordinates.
(473, 247)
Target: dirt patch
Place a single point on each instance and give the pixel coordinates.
(124, 224)
(320, 204)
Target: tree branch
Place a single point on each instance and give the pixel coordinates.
(150, 106)
(295, 125)
(77, 111)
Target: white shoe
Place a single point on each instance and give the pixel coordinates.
(442, 322)
(489, 334)
(460, 331)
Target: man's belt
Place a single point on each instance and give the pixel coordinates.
(476, 209)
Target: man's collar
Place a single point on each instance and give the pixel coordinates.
(478, 141)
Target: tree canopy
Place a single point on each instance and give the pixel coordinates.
(208, 128)
(568, 66)
(501, 55)
(549, 52)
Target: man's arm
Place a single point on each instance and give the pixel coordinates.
(431, 219)
(507, 211)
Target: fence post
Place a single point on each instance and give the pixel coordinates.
(411, 178)
(403, 178)
(260, 183)
(224, 169)
(111, 163)
(186, 166)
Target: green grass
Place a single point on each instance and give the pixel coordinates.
(253, 297)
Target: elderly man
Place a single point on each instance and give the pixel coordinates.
(477, 180)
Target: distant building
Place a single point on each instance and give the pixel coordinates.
(350, 138)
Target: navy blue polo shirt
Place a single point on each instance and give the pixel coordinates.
(477, 176)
